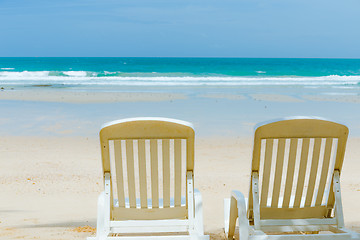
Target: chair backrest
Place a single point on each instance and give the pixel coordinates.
(295, 160)
(147, 159)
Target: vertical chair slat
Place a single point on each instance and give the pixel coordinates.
(339, 154)
(130, 172)
(331, 198)
(142, 173)
(324, 171)
(278, 172)
(166, 172)
(314, 168)
(177, 166)
(154, 173)
(266, 174)
(119, 173)
(290, 172)
(302, 170)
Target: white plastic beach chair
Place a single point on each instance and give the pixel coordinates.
(143, 159)
(295, 183)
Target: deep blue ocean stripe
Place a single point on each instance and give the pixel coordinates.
(190, 66)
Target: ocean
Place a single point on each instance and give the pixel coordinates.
(220, 96)
(103, 73)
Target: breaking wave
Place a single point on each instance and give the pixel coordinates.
(167, 79)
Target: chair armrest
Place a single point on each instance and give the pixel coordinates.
(241, 206)
(237, 210)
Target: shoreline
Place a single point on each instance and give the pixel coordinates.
(158, 94)
(61, 96)
(214, 112)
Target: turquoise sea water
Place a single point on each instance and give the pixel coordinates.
(221, 96)
(87, 72)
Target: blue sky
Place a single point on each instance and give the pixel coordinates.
(180, 28)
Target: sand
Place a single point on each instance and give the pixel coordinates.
(334, 98)
(224, 96)
(50, 171)
(46, 95)
(49, 185)
(275, 98)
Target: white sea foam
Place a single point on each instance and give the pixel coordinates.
(92, 78)
(24, 75)
(260, 71)
(7, 68)
(75, 73)
(107, 73)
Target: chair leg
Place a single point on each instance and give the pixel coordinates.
(198, 221)
(101, 232)
(226, 215)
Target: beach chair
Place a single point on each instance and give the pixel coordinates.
(148, 167)
(294, 185)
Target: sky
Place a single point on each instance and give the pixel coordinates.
(180, 28)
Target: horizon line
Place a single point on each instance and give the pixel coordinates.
(186, 57)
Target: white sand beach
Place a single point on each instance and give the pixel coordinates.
(50, 174)
(49, 186)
